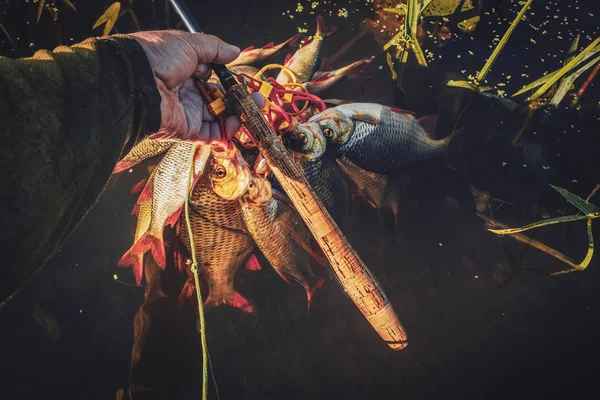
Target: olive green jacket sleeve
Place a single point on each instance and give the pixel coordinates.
(66, 117)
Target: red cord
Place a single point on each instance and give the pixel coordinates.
(277, 114)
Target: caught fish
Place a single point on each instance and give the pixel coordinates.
(324, 80)
(230, 172)
(144, 149)
(143, 210)
(329, 183)
(380, 191)
(309, 144)
(168, 191)
(377, 138)
(221, 240)
(280, 234)
(250, 55)
(304, 62)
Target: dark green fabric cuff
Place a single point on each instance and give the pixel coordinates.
(146, 118)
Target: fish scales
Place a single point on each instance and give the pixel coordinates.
(328, 181)
(383, 148)
(270, 223)
(221, 240)
(143, 150)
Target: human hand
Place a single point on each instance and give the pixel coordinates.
(177, 57)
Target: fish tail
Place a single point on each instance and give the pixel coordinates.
(293, 41)
(137, 188)
(355, 70)
(135, 261)
(234, 300)
(174, 218)
(122, 166)
(311, 291)
(153, 244)
(324, 30)
(252, 264)
(186, 292)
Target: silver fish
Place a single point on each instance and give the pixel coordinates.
(329, 183)
(146, 148)
(304, 62)
(250, 55)
(168, 190)
(324, 80)
(280, 234)
(380, 191)
(377, 138)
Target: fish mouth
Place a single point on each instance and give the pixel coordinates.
(235, 186)
(233, 177)
(313, 148)
(259, 191)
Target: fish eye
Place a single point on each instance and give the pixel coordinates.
(303, 138)
(328, 133)
(220, 171)
(251, 185)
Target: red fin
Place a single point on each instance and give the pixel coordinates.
(429, 124)
(269, 46)
(186, 292)
(288, 58)
(154, 245)
(122, 166)
(321, 78)
(173, 218)
(146, 194)
(136, 209)
(322, 29)
(136, 261)
(286, 278)
(137, 188)
(293, 41)
(401, 111)
(364, 117)
(311, 292)
(248, 49)
(237, 301)
(252, 264)
(179, 259)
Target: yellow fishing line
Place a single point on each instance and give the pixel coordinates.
(197, 280)
(276, 66)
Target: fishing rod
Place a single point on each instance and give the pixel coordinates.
(353, 275)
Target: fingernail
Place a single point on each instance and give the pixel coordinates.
(235, 48)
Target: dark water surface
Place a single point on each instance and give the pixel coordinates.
(535, 336)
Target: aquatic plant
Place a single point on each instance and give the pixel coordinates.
(554, 86)
(590, 212)
(475, 84)
(109, 18)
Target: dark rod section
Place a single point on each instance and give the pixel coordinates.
(227, 80)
